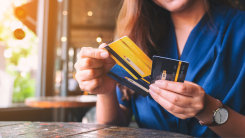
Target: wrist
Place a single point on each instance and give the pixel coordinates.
(109, 92)
(206, 114)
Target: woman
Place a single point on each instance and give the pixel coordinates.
(206, 33)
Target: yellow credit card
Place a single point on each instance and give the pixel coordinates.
(129, 56)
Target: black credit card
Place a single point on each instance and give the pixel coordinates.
(140, 86)
(168, 69)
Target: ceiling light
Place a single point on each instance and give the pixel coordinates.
(90, 13)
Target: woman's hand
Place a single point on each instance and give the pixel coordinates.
(183, 100)
(92, 66)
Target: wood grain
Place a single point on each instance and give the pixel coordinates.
(77, 130)
(62, 102)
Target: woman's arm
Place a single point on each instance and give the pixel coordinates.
(91, 67)
(235, 125)
(186, 100)
(109, 111)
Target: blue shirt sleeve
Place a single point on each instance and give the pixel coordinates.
(119, 97)
(227, 77)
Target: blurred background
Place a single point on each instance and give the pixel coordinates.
(39, 42)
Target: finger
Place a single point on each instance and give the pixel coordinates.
(78, 56)
(175, 98)
(86, 75)
(88, 63)
(102, 45)
(107, 60)
(88, 52)
(181, 88)
(170, 106)
(90, 85)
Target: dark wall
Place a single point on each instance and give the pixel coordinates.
(26, 114)
(239, 4)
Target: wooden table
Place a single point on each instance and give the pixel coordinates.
(70, 108)
(62, 102)
(77, 130)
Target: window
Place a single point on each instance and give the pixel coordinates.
(18, 55)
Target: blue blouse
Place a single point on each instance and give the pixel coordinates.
(215, 50)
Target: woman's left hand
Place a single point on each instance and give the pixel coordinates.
(183, 100)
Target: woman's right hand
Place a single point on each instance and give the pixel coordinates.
(92, 66)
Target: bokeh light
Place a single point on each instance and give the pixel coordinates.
(63, 39)
(23, 74)
(90, 13)
(19, 34)
(99, 39)
(8, 53)
(65, 12)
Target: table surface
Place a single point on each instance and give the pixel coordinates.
(64, 102)
(76, 130)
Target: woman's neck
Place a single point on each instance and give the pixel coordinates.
(189, 17)
(184, 21)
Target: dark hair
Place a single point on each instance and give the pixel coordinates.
(141, 21)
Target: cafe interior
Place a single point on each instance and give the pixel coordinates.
(39, 44)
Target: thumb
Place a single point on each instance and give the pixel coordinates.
(107, 58)
(102, 45)
(104, 54)
(88, 52)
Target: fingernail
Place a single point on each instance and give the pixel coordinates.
(152, 87)
(104, 54)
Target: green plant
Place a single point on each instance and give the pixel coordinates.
(20, 62)
(23, 88)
